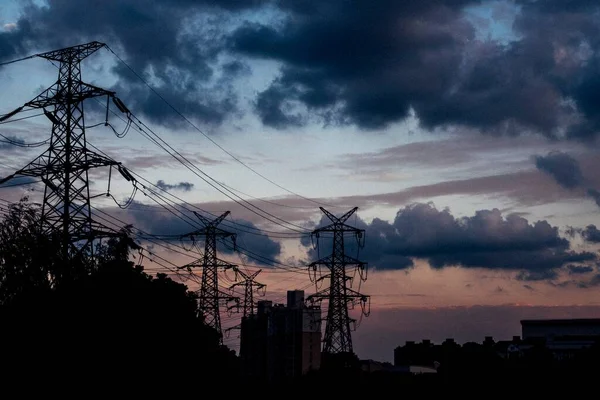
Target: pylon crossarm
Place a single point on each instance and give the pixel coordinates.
(37, 168)
(52, 96)
(192, 235)
(327, 260)
(353, 294)
(329, 215)
(202, 218)
(337, 228)
(348, 260)
(320, 295)
(193, 264)
(213, 223)
(254, 275)
(224, 265)
(220, 219)
(73, 53)
(236, 285)
(345, 217)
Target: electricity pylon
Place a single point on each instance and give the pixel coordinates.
(211, 297)
(249, 284)
(339, 295)
(64, 166)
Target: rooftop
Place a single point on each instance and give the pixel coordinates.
(574, 321)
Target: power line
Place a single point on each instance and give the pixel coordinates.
(18, 60)
(189, 163)
(143, 133)
(208, 137)
(10, 121)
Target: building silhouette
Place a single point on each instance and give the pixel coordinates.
(564, 338)
(281, 341)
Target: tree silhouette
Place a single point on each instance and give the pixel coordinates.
(115, 322)
(27, 257)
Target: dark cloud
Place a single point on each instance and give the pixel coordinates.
(367, 63)
(486, 240)
(566, 171)
(251, 239)
(591, 234)
(174, 44)
(588, 283)
(256, 246)
(183, 186)
(562, 167)
(594, 194)
(565, 36)
(362, 63)
(579, 269)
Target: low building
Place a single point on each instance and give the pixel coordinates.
(563, 337)
(549, 329)
(281, 341)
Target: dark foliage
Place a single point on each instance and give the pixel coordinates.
(113, 327)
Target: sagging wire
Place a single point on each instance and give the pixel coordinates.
(124, 110)
(362, 268)
(129, 178)
(193, 243)
(365, 305)
(228, 278)
(264, 290)
(125, 131)
(141, 257)
(6, 139)
(128, 202)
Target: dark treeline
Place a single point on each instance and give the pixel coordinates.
(105, 321)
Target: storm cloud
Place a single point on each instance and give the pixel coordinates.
(184, 186)
(370, 64)
(485, 240)
(361, 63)
(562, 167)
(566, 171)
(254, 245)
(590, 233)
(173, 44)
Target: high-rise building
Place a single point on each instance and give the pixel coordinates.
(281, 341)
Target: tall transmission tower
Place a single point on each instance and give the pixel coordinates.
(339, 295)
(64, 166)
(250, 285)
(211, 297)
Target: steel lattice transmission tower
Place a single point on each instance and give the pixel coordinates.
(339, 295)
(64, 166)
(250, 285)
(211, 296)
